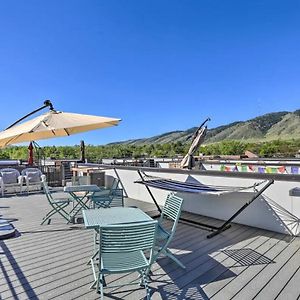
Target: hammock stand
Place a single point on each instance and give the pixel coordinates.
(173, 185)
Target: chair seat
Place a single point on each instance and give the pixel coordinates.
(103, 191)
(162, 234)
(100, 195)
(61, 201)
(123, 262)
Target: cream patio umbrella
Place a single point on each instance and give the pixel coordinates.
(53, 124)
(197, 140)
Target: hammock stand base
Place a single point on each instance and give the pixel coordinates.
(215, 229)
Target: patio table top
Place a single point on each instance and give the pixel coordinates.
(82, 188)
(93, 218)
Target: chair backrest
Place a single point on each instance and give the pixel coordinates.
(127, 237)
(111, 197)
(33, 174)
(115, 184)
(172, 210)
(81, 180)
(117, 198)
(9, 175)
(31, 170)
(111, 182)
(47, 191)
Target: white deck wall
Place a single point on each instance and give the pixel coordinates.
(275, 210)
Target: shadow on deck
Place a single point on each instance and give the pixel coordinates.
(49, 261)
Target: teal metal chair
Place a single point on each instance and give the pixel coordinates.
(122, 250)
(57, 205)
(115, 199)
(81, 180)
(109, 197)
(171, 212)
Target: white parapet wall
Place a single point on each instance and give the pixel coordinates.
(275, 210)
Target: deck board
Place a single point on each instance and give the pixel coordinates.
(272, 288)
(289, 291)
(244, 269)
(261, 278)
(49, 261)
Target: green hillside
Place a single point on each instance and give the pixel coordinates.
(272, 126)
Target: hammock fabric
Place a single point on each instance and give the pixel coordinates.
(190, 187)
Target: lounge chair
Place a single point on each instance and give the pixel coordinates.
(10, 179)
(33, 178)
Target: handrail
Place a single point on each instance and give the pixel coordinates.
(215, 173)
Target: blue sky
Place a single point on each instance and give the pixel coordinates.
(158, 65)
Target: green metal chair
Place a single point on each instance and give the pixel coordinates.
(109, 197)
(81, 180)
(122, 249)
(58, 205)
(171, 212)
(115, 199)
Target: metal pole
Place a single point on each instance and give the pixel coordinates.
(227, 223)
(126, 195)
(46, 104)
(150, 193)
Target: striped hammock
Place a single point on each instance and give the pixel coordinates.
(190, 187)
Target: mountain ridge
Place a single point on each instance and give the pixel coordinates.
(282, 125)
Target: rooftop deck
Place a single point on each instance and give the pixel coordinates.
(49, 261)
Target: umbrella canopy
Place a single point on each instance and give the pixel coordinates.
(53, 124)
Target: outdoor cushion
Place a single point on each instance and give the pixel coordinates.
(33, 176)
(9, 177)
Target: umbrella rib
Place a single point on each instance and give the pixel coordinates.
(46, 125)
(113, 123)
(66, 131)
(12, 139)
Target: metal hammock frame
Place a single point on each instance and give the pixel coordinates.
(188, 187)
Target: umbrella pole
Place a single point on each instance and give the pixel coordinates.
(46, 104)
(208, 119)
(39, 152)
(196, 133)
(82, 151)
(190, 166)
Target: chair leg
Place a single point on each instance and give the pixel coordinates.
(60, 210)
(101, 286)
(168, 253)
(92, 258)
(94, 275)
(96, 249)
(144, 281)
(48, 215)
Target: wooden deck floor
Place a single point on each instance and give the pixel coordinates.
(49, 261)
